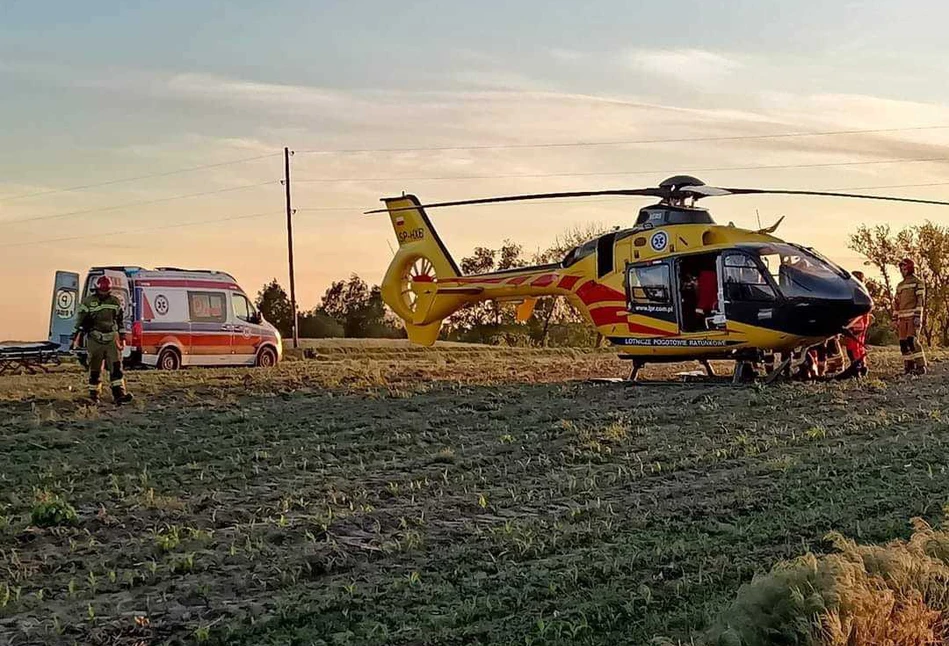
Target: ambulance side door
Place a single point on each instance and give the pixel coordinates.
(211, 328)
(165, 317)
(245, 338)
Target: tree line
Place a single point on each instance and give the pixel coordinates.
(353, 308)
(928, 245)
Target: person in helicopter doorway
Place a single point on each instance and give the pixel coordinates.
(688, 290)
(100, 321)
(855, 342)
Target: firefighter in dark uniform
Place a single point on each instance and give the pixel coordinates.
(100, 322)
(908, 308)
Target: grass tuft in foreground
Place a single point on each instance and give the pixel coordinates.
(52, 511)
(897, 594)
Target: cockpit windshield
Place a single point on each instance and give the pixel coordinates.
(800, 273)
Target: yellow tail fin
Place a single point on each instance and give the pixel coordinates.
(410, 284)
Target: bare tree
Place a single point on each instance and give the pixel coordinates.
(928, 246)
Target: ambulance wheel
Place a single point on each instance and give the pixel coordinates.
(266, 358)
(169, 359)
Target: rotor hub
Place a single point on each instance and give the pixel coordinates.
(678, 182)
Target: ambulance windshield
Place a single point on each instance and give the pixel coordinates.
(800, 273)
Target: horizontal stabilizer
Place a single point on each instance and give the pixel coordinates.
(460, 290)
(526, 309)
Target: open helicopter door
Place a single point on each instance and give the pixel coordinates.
(719, 320)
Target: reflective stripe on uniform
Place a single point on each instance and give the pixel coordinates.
(102, 306)
(117, 382)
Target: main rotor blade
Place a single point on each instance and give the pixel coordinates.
(648, 192)
(764, 191)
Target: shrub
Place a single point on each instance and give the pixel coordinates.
(52, 511)
(897, 594)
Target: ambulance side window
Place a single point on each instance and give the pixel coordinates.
(207, 307)
(243, 310)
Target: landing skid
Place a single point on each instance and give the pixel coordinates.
(745, 373)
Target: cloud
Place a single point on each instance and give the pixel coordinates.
(221, 88)
(566, 55)
(693, 67)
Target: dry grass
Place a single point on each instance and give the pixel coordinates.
(380, 494)
(861, 595)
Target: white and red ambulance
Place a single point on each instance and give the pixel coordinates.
(175, 317)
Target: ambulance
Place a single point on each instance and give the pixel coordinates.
(173, 317)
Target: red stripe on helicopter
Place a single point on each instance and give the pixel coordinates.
(544, 281)
(592, 292)
(517, 280)
(617, 315)
(567, 282)
(477, 279)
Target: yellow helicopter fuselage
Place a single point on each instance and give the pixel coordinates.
(628, 284)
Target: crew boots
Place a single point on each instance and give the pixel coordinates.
(856, 369)
(120, 396)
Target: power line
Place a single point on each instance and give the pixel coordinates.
(138, 203)
(356, 209)
(471, 177)
(878, 188)
(623, 173)
(826, 133)
(135, 179)
(168, 226)
(134, 231)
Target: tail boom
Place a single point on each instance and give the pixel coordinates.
(424, 285)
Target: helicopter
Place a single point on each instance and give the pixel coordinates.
(674, 287)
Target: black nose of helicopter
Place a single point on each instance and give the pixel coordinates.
(827, 316)
(861, 300)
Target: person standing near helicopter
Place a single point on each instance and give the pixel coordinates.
(908, 308)
(855, 341)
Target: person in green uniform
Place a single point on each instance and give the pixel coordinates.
(100, 321)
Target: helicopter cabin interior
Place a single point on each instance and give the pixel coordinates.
(687, 290)
(682, 290)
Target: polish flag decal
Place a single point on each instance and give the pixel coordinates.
(399, 221)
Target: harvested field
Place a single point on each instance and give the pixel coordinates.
(381, 494)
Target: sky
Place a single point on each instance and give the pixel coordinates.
(151, 134)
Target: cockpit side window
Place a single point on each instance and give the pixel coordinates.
(800, 273)
(744, 281)
(579, 253)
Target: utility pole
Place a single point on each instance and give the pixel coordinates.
(293, 287)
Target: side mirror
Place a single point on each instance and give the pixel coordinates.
(256, 318)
